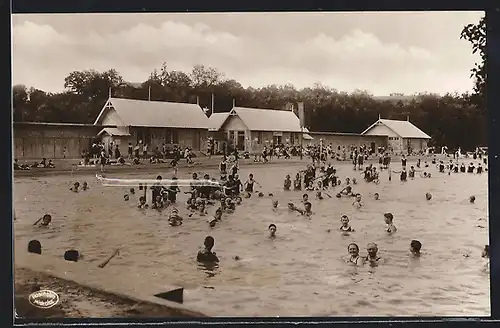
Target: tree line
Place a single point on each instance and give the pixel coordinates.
(453, 119)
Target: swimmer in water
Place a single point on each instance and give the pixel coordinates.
(126, 197)
(288, 183)
(142, 203)
(35, 247)
(357, 202)
(297, 183)
(388, 218)
(206, 254)
(275, 204)
(85, 186)
(174, 218)
(354, 257)
(272, 230)
(75, 187)
(238, 200)
(44, 221)
(218, 214)
(428, 196)
(305, 212)
(305, 198)
(347, 181)
(472, 199)
(347, 191)
(372, 256)
(376, 196)
(345, 227)
(319, 196)
(415, 247)
(411, 173)
(132, 191)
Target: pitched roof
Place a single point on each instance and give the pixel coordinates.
(405, 129)
(268, 119)
(113, 132)
(157, 113)
(216, 120)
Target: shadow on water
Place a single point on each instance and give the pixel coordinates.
(302, 271)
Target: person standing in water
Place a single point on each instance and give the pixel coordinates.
(206, 254)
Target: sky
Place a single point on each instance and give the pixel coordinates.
(382, 53)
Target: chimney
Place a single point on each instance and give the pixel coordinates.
(379, 116)
(234, 102)
(198, 100)
(408, 118)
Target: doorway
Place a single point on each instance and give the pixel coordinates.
(241, 140)
(373, 147)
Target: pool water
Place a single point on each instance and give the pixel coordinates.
(300, 273)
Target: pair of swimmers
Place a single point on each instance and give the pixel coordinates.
(76, 186)
(72, 255)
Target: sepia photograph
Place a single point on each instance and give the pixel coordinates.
(196, 165)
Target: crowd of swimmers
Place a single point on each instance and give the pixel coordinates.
(228, 191)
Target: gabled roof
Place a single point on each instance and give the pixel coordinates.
(113, 132)
(156, 113)
(268, 119)
(404, 129)
(216, 120)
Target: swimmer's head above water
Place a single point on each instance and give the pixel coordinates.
(126, 198)
(372, 249)
(344, 220)
(388, 218)
(275, 203)
(47, 218)
(35, 247)
(376, 196)
(472, 199)
(272, 230)
(305, 197)
(353, 249)
(428, 196)
(415, 247)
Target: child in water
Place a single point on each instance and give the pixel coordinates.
(345, 227)
(272, 231)
(388, 218)
(142, 203)
(44, 221)
(85, 186)
(376, 196)
(297, 183)
(415, 247)
(357, 202)
(288, 183)
(75, 187)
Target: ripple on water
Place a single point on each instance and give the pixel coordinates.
(301, 272)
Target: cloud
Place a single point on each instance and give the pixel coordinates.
(44, 56)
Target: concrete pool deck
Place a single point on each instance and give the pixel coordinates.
(69, 166)
(82, 292)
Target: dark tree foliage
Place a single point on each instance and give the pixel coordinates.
(476, 35)
(452, 120)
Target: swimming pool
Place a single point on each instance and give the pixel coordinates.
(302, 272)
